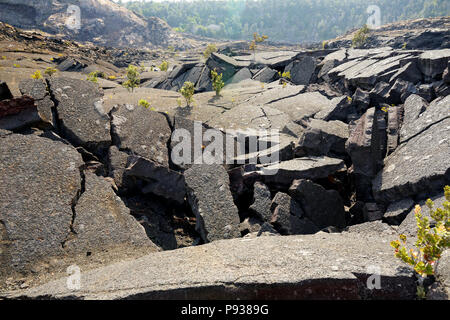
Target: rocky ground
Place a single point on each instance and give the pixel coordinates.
(87, 176)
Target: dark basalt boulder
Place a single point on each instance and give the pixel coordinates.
(209, 195)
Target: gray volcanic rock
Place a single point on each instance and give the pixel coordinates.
(433, 63)
(5, 93)
(418, 167)
(311, 168)
(39, 182)
(265, 75)
(101, 21)
(81, 115)
(342, 265)
(228, 66)
(117, 164)
(397, 211)
(362, 99)
(303, 105)
(71, 65)
(409, 72)
(419, 115)
(338, 109)
(143, 132)
(242, 74)
(18, 113)
(363, 145)
(102, 221)
(261, 201)
(380, 93)
(159, 180)
(373, 228)
(395, 117)
(301, 70)
(37, 89)
(400, 91)
(323, 207)
(204, 81)
(288, 217)
(409, 224)
(210, 198)
(441, 289)
(322, 137)
(446, 74)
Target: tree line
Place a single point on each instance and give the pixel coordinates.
(282, 20)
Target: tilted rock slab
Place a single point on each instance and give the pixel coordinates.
(312, 168)
(141, 131)
(37, 89)
(102, 221)
(323, 207)
(209, 195)
(320, 266)
(418, 115)
(420, 166)
(81, 115)
(39, 182)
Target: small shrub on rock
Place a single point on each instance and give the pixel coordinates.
(217, 82)
(50, 71)
(93, 77)
(37, 75)
(431, 241)
(361, 36)
(133, 78)
(187, 91)
(164, 66)
(144, 103)
(210, 49)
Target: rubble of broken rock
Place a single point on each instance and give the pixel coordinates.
(87, 176)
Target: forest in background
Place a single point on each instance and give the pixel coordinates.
(292, 21)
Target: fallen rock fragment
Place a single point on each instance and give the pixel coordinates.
(209, 195)
(323, 207)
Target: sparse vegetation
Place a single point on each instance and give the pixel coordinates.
(164, 66)
(285, 75)
(187, 91)
(324, 44)
(144, 103)
(112, 78)
(50, 71)
(209, 49)
(256, 39)
(37, 75)
(360, 36)
(92, 77)
(15, 65)
(431, 241)
(217, 82)
(133, 78)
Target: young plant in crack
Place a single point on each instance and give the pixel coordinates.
(431, 241)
